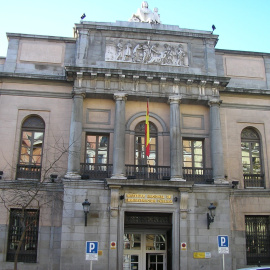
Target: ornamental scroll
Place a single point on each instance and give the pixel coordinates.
(146, 52)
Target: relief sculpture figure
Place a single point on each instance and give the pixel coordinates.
(127, 54)
(146, 52)
(119, 49)
(180, 55)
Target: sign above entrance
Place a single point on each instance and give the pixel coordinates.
(148, 198)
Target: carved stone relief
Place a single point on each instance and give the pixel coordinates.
(146, 52)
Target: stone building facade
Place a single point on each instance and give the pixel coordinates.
(72, 115)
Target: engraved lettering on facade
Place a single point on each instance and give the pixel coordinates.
(148, 198)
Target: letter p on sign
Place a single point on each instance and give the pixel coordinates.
(223, 241)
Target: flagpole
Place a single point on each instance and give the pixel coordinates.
(147, 137)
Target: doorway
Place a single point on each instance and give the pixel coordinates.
(147, 241)
(145, 250)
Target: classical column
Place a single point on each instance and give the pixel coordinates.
(175, 139)
(216, 141)
(75, 139)
(119, 136)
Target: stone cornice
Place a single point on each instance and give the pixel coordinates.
(245, 91)
(55, 38)
(245, 106)
(250, 192)
(148, 183)
(146, 28)
(11, 92)
(71, 72)
(32, 76)
(239, 53)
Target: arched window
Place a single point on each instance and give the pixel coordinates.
(31, 148)
(251, 156)
(140, 156)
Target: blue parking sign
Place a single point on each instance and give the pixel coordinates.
(223, 244)
(91, 250)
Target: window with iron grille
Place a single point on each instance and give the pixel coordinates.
(23, 228)
(257, 239)
(31, 148)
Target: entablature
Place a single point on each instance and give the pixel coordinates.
(146, 84)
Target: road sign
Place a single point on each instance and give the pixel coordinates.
(91, 251)
(223, 244)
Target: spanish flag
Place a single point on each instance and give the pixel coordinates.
(147, 133)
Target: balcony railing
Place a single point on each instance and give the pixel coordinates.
(96, 171)
(147, 172)
(253, 180)
(29, 172)
(198, 175)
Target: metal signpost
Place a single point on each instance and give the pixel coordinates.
(223, 246)
(91, 252)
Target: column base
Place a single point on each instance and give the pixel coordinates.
(73, 176)
(222, 181)
(177, 178)
(118, 176)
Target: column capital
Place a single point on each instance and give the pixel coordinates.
(83, 31)
(214, 102)
(175, 99)
(120, 96)
(78, 92)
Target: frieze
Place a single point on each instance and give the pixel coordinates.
(146, 52)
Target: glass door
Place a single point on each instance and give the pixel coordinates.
(131, 262)
(156, 262)
(145, 251)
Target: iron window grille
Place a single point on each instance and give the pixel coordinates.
(23, 222)
(257, 239)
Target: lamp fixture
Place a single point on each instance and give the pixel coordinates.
(235, 183)
(210, 215)
(53, 177)
(86, 208)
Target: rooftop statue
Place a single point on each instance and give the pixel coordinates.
(144, 14)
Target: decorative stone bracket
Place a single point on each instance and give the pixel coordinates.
(184, 204)
(114, 206)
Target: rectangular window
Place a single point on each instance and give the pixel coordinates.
(132, 241)
(97, 149)
(96, 157)
(193, 153)
(257, 239)
(23, 229)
